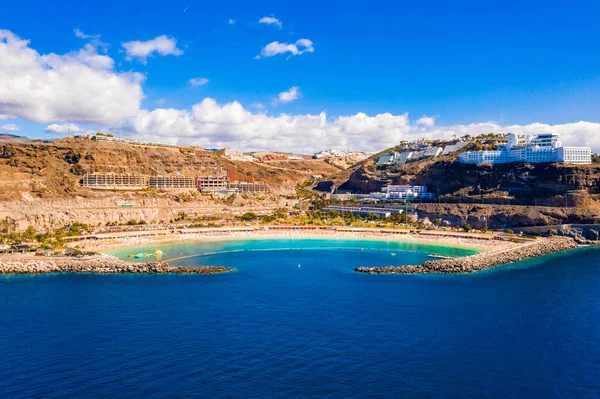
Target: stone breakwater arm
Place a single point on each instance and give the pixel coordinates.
(104, 265)
(483, 260)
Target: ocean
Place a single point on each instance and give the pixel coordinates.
(294, 321)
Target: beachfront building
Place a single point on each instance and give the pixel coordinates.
(172, 182)
(402, 192)
(529, 148)
(363, 210)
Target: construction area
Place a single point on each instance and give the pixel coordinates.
(112, 181)
(172, 182)
(212, 183)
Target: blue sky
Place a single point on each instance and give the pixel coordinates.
(460, 62)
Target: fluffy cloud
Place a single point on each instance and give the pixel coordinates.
(287, 96)
(80, 86)
(198, 81)
(82, 35)
(300, 47)
(209, 124)
(426, 121)
(163, 45)
(63, 128)
(271, 21)
(10, 127)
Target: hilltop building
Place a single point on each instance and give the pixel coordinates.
(270, 156)
(420, 150)
(529, 148)
(357, 155)
(236, 155)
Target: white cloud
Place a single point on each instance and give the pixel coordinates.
(10, 127)
(161, 101)
(426, 121)
(209, 124)
(258, 105)
(82, 35)
(300, 47)
(231, 21)
(198, 81)
(63, 128)
(285, 97)
(271, 21)
(163, 45)
(80, 86)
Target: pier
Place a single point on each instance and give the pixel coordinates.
(100, 265)
(481, 261)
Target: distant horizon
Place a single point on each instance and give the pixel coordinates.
(245, 151)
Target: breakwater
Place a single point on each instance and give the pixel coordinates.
(100, 265)
(481, 261)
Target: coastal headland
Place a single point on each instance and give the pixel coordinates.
(99, 265)
(481, 261)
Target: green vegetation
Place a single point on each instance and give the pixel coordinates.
(248, 217)
(47, 240)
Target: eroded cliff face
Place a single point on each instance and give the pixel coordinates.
(53, 170)
(525, 184)
(49, 214)
(504, 216)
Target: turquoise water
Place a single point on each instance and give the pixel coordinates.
(215, 252)
(271, 329)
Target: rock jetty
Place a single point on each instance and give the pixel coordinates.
(101, 265)
(481, 261)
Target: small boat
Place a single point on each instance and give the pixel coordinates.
(393, 254)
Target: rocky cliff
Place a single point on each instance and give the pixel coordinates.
(53, 170)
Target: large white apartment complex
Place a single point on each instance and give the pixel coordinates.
(529, 148)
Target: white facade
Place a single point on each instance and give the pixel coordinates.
(236, 155)
(533, 149)
(575, 155)
(402, 192)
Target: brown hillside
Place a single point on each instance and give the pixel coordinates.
(54, 169)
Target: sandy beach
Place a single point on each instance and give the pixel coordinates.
(484, 243)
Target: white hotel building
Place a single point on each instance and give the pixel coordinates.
(529, 148)
(397, 192)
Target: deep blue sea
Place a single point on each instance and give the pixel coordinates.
(273, 329)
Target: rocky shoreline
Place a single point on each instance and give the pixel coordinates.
(102, 265)
(481, 261)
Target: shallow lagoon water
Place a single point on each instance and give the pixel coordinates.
(271, 329)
